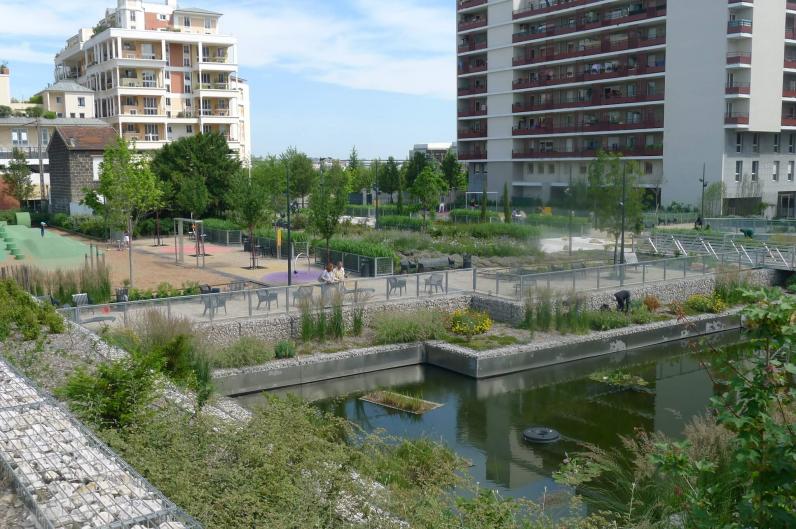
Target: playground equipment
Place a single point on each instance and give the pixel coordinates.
(197, 229)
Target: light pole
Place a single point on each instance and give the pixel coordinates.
(704, 185)
(622, 204)
(376, 200)
(571, 207)
(289, 241)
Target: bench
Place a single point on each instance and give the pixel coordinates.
(436, 263)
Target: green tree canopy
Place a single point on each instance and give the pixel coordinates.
(250, 201)
(452, 171)
(17, 177)
(198, 170)
(389, 176)
(302, 174)
(328, 201)
(427, 188)
(414, 166)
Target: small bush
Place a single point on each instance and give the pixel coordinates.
(400, 327)
(285, 349)
(336, 321)
(469, 323)
(306, 322)
(357, 320)
(701, 304)
(652, 303)
(247, 351)
(321, 328)
(606, 320)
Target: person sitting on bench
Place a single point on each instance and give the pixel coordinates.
(622, 301)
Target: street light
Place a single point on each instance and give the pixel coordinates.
(622, 205)
(704, 185)
(289, 241)
(570, 194)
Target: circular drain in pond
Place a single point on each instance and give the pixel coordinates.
(541, 435)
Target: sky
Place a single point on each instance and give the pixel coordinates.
(325, 75)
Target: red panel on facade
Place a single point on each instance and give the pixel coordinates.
(152, 22)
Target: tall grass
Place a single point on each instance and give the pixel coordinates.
(401, 327)
(63, 284)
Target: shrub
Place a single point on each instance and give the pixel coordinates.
(467, 322)
(401, 327)
(21, 313)
(729, 287)
(336, 321)
(403, 222)
(285, 349)
(355, 246)
(491, 230)
(606, 320)
(63, 284)
(220, 224)
(700, 304)
(306, 322)
(247, 351)
(651, 302)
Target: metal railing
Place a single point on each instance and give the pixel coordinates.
(734, 225)
(360, 264)
(225, 237)
(238, 304)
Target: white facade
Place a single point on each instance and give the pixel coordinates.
(544, 84)
(160, 72)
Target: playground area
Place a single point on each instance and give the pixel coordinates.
(50, 251)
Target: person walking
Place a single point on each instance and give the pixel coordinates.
(339, 273)
(42, 226)
(327, 276)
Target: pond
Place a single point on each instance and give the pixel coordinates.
(483, 420)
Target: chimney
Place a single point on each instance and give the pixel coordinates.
(5, 85)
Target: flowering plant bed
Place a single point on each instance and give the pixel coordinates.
(397, 401)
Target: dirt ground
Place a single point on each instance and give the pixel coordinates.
(153, 265)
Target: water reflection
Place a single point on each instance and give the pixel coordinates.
(483, 420)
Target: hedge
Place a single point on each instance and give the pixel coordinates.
(520, 232)
(471, 215)
(358, 247)
(403, 222)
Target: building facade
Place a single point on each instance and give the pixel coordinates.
(160, 72)
(680, 86)
(437, 151)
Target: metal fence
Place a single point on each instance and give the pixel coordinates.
(46, 440)
(229, 305)
(225, 237)
(363, 265)
(730, 224)
(269, 248)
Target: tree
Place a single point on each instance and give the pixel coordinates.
(34, 112)
(17, 177)
(389, 177)
(271, 172)
(414, 166)
(428, 187)
(609, 175)
(302, 174)
(5, 111)
(714, 196)
(358, 174)
(453, 172)
(400, 190)
(128, 187)
(506, 204)
(198, 169)
(249, 200)
(328, 201)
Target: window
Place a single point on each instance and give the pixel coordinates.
(58, 99)
(60, 114)
(648, 168)
(168, 101)
(132, 16)
(738, 170)
(72, 115)
(188, 103)
(584, 169)
(551, 168)
(776, 142)
(189, 129)
(186, 61)
(162, 17)
(208, 23)
(186, 49)
(186, 21)
(790, 171)
(81, 101)
(151, 132)
(82, 115)
(129, 127)
(167, 74)
(530, 168)
(738, 142)
(188, 76)
(44, 139)
(755, 143)
(186, 89)
(755, 167)
(792, 143)
(775, 172)
(150, 106)
(19, 137)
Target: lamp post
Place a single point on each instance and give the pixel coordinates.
(289, 241)
(622, 204)
(704, 185)
(570, 194)
(376, 200)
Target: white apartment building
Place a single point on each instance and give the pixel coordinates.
(677, 85)
(160, 72)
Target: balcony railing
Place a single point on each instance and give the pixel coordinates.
(469, 112)
(736, 118)
(214, 86)
(138, 83)
(739, 26)
(731, 2)
(472, 90)
(599, 126)
(470, 133)
(621, 71)
(472, 68)
(30, 152)
(539, 7)
(467, 4)
(604, 47)
(790, 5)
(217, 112)
(140, 56)
(790, 34)
(214, 60)
(739, 58)
(472, 46)
(596, 100)
(476, 155)
(589, 153)
(583, 24)
(790, 63)
(738, 89)
(472, 24)
(789, 92)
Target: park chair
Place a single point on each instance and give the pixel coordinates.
(436, 282)
(394, 283)
(303, 293)
(214, 302)
(237, 286)
(356, 293)
(122, 295)
(80, 300)
(267, 296)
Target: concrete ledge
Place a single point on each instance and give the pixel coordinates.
(474, 364)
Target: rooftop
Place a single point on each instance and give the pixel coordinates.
(197, 11)
(66, 86)
(80, 138)
(57, 122)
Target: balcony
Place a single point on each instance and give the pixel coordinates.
(583, 24)
(595, 100)
(217, 112)
(475, 155)
(791, 5)
(653, 150)
(790, 34)
(789, 121)
(731, 2)
(790, 63)
(738, 89)
(467, 4)
(621, 70)
(789, 92)
(137, 83)
(472, 24)
(739, 59)
(472, 46)
(472, 112)
(135, 56)
(214, 86)
(542, 6)
(472, 134)
(472, 68)
(736, 118)
(604, 47)
(739, 26)
(598, 126)
(214, 60)
(472, 90)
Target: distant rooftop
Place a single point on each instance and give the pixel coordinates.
(84, 138)
(66, 86)
(197, 10)
(57, 122)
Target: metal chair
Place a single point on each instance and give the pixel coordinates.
(303, 293)
(435, 281)
(267, 296)
(394, 283)
(214, 302)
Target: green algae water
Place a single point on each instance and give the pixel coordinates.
(483, 420)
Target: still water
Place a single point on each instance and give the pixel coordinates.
(483, 420)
